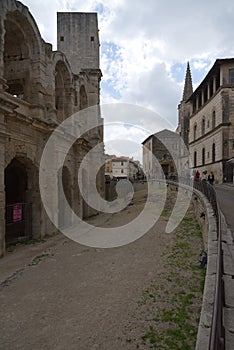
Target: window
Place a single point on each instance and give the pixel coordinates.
(122, 163)
(195, 132)
(203, 156)
(61, 38)
(92, 38)
(213, 152)
(231, 76)
(203, 127)
(122, 171)
(195, 159)
(213, 120)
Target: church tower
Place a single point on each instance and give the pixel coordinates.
(184, 108)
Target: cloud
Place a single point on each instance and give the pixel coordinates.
(145, 46)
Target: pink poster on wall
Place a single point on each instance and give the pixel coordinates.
(17, 212)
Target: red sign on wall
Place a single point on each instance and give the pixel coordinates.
(17, 212)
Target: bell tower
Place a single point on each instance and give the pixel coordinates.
(184, 107)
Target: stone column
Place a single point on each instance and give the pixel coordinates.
(208, 91)
(202, 97)
(214, 85)
(197, 102)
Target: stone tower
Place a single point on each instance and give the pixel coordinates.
(77, 37)
(183, 108)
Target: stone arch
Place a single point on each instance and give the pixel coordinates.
(83, 98)
(21, 46)
(63, 87)
(23, 204)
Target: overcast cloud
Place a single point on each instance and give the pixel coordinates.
(145, 46)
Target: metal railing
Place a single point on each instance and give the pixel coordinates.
(18, 218)
(216, 341)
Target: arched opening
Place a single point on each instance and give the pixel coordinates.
(83, 98)
(195, 132)
(22, 212)
(195, 159)
(203, 156)
(213, 153)
(62, 91)
(20, 47)
(203, 127)
(213, 120)
(64, 188)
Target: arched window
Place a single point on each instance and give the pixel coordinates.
(195, 159)
(195, 132)
(203, 156)
(213, 120)
(203, 126)
(62, 91)
(20, 55)
(213, 152)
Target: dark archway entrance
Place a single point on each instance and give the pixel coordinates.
(18, 214)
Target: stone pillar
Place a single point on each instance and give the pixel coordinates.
(214, 85)
(202, 97)
(208, 91)
(197, 102)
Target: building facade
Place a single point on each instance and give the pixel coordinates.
(122, 168)
(39, 88)
(160, 155)
(210, 132)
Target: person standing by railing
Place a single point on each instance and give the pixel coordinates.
(197, 176)
(211, 178)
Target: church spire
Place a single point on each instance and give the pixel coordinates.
(188, 86)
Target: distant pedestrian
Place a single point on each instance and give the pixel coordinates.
(211, 178)
(197, 176)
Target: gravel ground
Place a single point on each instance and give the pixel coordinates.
(58, 294)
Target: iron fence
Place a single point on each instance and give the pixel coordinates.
(18, 218)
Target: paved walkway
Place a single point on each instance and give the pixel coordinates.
(61, 295)
(225, 194)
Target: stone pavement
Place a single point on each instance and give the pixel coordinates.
(225, 195)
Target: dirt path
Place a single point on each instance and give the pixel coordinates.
(60, 295)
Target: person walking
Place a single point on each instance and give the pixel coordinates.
(211, 178)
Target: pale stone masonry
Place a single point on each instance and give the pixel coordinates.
(39, 88)
(162, 155)
(206, 120)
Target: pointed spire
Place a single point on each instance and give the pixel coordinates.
(188, 86)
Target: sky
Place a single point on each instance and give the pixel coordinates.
(145, 47)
